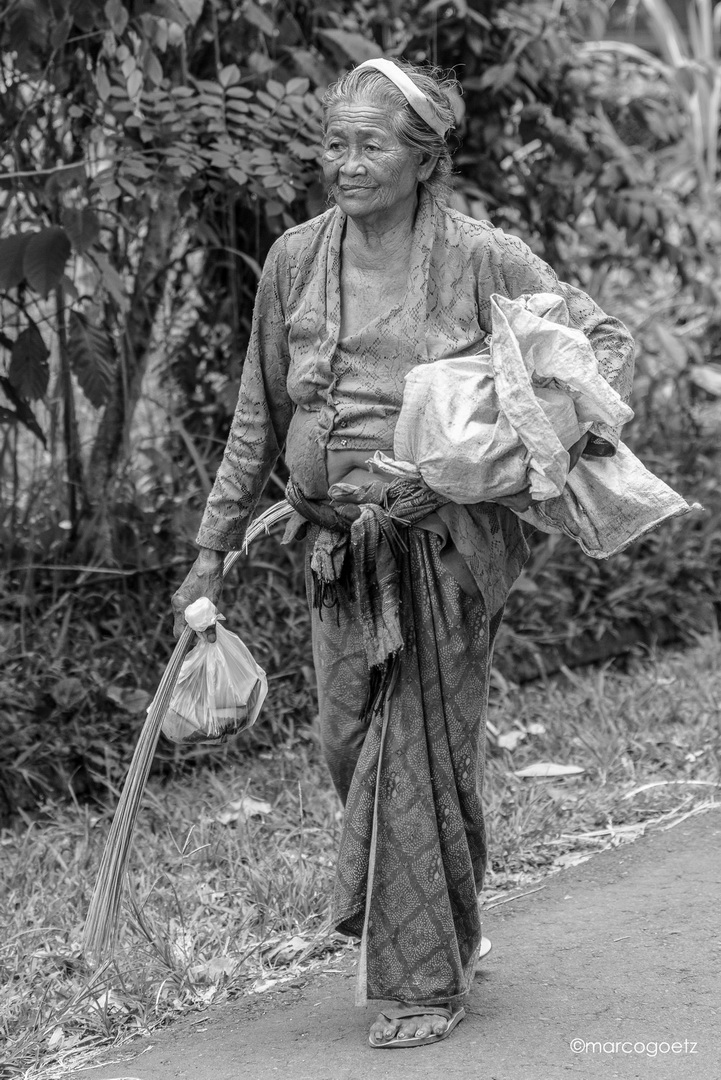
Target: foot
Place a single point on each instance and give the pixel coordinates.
(408, 1027)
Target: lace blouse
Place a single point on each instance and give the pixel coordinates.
(304, 388)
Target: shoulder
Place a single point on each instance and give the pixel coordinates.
(298, 247)
(474, 229)
(295, 242)
(496, 261)
(295, 251)
(481, 237)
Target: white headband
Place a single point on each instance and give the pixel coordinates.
(415, 97)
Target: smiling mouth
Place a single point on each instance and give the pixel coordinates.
(354, 187)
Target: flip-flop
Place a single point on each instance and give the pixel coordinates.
(452, 1016)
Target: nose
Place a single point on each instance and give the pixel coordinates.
(352, 161)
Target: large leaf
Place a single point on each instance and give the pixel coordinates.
(170, 10)
(117, 16)
(23, 413)
(92, 358)
(707, 377)
(255, 15)
(82, 226)
(350, 46)
(192, 9)
(111, 280)
(229, 76)
(29, 372)
(102, 82)
(46, 253)
(544, 769)
(12, 253)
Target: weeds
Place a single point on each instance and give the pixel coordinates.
(225, 891)
(232, 868)
(75, 692)
(657, 724)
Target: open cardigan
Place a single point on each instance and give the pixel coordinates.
(304, 387)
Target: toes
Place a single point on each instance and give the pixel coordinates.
(408, 1028)
(382, 1030)
(412, 1027)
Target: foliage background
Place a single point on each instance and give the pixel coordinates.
(151, 152)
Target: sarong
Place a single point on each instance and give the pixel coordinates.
(413, 848)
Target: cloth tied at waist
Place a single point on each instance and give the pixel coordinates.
(367, 524)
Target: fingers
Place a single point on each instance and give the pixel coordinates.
(518, 502)
(179, 625)
(205, 578)
(178, 609)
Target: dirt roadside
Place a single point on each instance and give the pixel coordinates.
(611, 970)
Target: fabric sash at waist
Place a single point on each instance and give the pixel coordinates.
(366, 523)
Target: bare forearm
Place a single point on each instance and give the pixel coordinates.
(210, 559)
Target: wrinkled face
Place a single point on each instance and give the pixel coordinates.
(370, 173)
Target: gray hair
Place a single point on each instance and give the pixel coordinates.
(408, 127)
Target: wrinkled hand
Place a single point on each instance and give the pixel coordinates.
(518, 502)
(349, 498)
(205, 578)
(522, 499)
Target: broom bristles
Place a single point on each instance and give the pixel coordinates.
(101, 925)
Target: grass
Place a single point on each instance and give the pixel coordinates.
(232, 868)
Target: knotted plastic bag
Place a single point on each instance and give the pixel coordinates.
(220, 688)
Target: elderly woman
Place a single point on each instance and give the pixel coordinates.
(406, 592)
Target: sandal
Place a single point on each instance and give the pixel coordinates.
(452, 1016)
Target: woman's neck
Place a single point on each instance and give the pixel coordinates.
(368, 244)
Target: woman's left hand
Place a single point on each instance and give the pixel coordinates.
(522, 499)
(518, 502)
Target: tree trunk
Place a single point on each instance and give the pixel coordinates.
(111, 441)
(71, 437)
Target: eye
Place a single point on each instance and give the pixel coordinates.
(372, 148)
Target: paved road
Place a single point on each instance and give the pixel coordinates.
(621, 954)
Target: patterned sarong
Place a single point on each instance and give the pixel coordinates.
(413, 849)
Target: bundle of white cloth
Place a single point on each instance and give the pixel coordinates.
(480, 428)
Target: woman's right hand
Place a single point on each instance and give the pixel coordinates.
(205, 578)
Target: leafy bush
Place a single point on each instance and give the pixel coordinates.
(81, 662)
(151, 153)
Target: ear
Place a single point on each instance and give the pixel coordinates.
(426, 165)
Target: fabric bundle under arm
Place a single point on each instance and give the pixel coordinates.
(515, 270)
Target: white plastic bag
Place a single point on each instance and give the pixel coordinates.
(483, 427)
(220, 688)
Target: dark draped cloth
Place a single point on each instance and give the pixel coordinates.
(406, 750)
